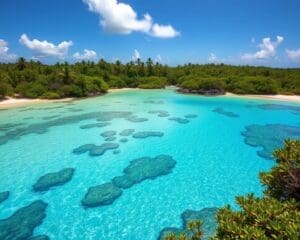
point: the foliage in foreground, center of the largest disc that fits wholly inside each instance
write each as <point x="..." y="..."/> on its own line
<point x="274" y="216"/>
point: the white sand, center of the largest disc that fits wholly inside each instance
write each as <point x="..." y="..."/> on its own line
<point x="289" y="98"/>
<point x="10" y="102"/>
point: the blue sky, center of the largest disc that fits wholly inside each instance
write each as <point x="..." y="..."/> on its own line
<point x="256" y="32"/>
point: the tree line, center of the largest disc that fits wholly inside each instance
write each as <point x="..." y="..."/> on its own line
<point x="34" y="79"/>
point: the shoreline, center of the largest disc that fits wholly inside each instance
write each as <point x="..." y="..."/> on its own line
<point x="274" y="97"/>
<point x="10" y="102"/>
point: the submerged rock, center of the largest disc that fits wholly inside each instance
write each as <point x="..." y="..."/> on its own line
<point x="53" y="179"/>
<point x="206" y="215"/>
<point x="108" y="134"/>
<point x="95" y="125"/>
<point x="223" y="112"/>
<point x="126" y="132"/>
<point x="179" y="120"/>
<point x="269" y="137"/>
<point x="104" y="194"/>
<point x="147" y="134"/>
<point x="84" y="148"/>
<point x="21" y="224"/>
<point x="4" y="196"/>
<point x="145" y="168"/>
<point x="100" y="150"/>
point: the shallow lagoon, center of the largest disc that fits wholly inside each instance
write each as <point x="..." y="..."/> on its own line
<point x="213" y="161"/>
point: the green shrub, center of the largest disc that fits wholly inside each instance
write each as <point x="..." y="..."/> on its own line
<point x="51" y="95"/>
<point x="152" y="82"/>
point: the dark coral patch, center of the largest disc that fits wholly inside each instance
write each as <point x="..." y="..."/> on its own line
<point x="100" y="150"/>
<point x="9" y="126"/>
<point x="40" y="237"/>
<point x="110" y="139"/>
<point x="108" y="134"/>
<point x="160" y="113"/>
<point x="21" y="224"/>
<point x="126" y="132"/>
<point x="100" y="195"/>
<point x="49" y="180"/>
<point x="166" y="232"/>
<point x="145" y="168"/>
<point x="269" y="137"/>
<point x="147" y="134"/>
<point x="50" y="117"/>
<point x="293" y="109"/>
<point x="136" y="119"/>
<point x="123" y="140"/>
<point x="226" y="113"/>
<point x="41" y="128"/>
<point x="190" y="115"/>
<point x="116" y="151"/>
<point x="179" y="120"/>
<point x="84" y="148"/>
<point x="206" y="215"/>
<point x="4" y="196"/>
<point x="154" y="102"/>
<point x="95" y="125"/>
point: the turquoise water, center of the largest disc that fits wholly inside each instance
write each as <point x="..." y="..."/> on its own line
<point x="213" y="163"/>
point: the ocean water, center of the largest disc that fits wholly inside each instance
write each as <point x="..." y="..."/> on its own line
<point x="213" y="162"/>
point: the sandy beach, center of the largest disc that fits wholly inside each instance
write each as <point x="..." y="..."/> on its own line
<point x="278" y="97"/>
<point x="10" y="102"/>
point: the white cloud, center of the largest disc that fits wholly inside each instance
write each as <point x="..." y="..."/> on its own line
<point x="163" y="31"/>
<point x="267" y="49"/>
<point x="87" y="55"/>
<point x="212" y="57"/>
<point x="118" y="17"/>
<point x="45" y="48"/>
<point x="158" y="59"/>
<point x="5" y="56"/>
<point x="136" y="55"/>
<point x="293" y="55"/>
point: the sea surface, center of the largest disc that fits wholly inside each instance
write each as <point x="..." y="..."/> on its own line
<point x="214" y="159"/>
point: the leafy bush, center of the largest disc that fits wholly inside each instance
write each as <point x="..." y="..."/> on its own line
<point x="274" y="216"/>
<point x="51" y="95"/>
<point x="152" y="82"/>
<point x="283" y="181"/>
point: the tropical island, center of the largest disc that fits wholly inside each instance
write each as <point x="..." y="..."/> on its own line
<point x="33" y="79"/>
<point x="149" y="120"/>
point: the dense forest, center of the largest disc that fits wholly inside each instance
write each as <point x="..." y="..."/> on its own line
<point x="32" y="79"/>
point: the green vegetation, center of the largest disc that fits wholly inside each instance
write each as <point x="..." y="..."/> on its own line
<point x="36" y="80"/>
<point x="276" y="215"/>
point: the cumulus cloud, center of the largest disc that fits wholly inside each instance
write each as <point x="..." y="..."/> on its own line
<point x="87" y="55"/>
<point x="5" y="56"/>
<point x="45" y="48"/>
<point x="293" y="55"/>
<point x="136" y="55"/>
<point x="118" y="17"/>
<point x="163" y="31"/>
<point x="267" y="49"/>
<point x="212" y="57"/>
